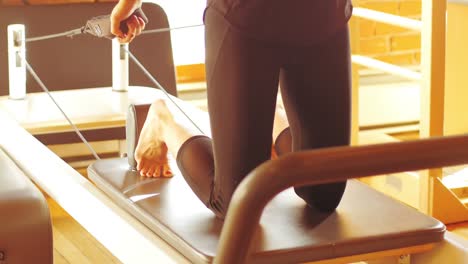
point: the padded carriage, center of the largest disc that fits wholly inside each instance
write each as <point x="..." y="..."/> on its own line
<point x="25" y="224"/>
<point x="366" y="221"/>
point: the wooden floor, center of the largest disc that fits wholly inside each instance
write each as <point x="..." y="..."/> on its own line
<point x="72" y="243"/>
<point x="460" y="229"/>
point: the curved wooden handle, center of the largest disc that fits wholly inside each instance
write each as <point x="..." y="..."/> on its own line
<point x="325" y="166"/>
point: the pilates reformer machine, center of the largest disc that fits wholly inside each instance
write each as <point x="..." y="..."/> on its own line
<point x="266" y="222"/>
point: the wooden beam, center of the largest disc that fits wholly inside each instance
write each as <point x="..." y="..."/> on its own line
<point x="432" y="86"/>
<point x="191" y="73"/>
<point x="126" y="238"/>
<point x="354" y="43"/>
<point x="378" y="255"/>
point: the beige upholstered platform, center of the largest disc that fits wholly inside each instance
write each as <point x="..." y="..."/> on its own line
<point x="25" y="225"/>
<point x="289" y="232"/>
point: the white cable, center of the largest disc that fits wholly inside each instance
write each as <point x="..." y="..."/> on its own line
<point x="159" y="30"/>
<point x="81" y="30"/>
<point x="158" y="85"/>
<point x="38" y="80"/>
<point x="69" y="33"/>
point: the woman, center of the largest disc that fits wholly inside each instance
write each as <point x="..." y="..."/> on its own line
<point x="251" y="46"/>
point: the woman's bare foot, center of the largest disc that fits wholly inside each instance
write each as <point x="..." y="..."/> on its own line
<point x="151" y="151"/>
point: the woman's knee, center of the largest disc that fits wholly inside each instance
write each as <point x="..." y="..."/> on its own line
<point x="323" y="197"/>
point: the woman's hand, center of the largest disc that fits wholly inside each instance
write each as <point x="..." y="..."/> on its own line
<point x="123" y="11"/>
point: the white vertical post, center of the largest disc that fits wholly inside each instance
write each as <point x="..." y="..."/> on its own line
<point x="16" y="65"/>
<point x="119" y="66"/>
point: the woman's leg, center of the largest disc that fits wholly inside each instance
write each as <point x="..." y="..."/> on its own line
<point x="242" y="81"/>
<point x="316" y="90"/>
<point x="162" y="133"/>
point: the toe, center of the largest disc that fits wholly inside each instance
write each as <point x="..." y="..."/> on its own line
<point x="150" y="172"/>
<point x="166" y="171"/>
<point x="142" y="168"/>
<point x="157" y="171"/>
<point x="140" y="165"/>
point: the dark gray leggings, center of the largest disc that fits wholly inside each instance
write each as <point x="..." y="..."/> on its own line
<point x="242" y="79"/>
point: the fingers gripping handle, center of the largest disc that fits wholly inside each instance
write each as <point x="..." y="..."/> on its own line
<point x="138" y="13"/>
<point x="100" y="26"/>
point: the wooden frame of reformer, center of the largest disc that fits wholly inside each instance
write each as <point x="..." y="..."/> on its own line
<point x="434" y="198"/>
<point x="145" y="243"/>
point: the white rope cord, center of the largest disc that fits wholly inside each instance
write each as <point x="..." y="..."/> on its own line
<point x="78" y="31"/>
<point x="158" y="85"/>
<point x="77" y="131"/>
<point x="69" y="33"/>
<point x="160" y="30"/>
